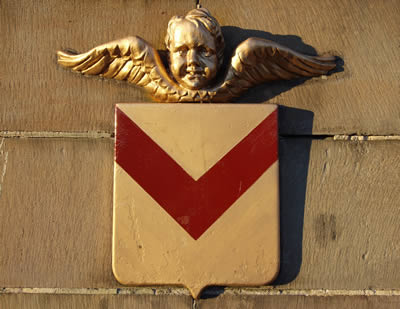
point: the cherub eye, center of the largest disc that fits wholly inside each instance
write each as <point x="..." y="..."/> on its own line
<point x="205" y="52"/>
<point x="181" y="52"/>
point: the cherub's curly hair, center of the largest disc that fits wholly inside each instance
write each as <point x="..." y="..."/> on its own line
<point x="200" y="17"/>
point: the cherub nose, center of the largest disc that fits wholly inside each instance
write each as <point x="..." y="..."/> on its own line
<point x="192" y="57"/>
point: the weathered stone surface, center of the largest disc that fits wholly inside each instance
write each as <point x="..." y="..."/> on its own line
<point x="339" y="222"/>
<point x="300" y="302"/>
<point x="52" y="301"/>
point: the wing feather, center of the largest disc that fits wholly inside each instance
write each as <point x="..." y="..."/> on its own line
<point x="138" y="77"/>
<point x="256" y="61"/>
<point x="134" y="72"/>
<point x="97" y="67"/>
<point x="70" y="60"/>
<point x="125" y="70"/>
<point x="84" y="65"/>
<point x="292" y="67"/>
<point x="114" y="67"/>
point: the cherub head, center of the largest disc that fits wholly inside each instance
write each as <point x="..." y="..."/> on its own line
<point x="196" y="48"/>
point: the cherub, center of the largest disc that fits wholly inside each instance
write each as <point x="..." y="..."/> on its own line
<point x="196" y="47"/>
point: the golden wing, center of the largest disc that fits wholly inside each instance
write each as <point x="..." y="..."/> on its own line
<point x="131" y="59"/>
<point x="257" y="61"/>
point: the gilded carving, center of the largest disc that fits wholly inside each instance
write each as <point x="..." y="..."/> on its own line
<point x="196" y="47"/>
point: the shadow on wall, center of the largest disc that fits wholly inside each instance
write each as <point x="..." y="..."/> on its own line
<point x="294" y="157"/>
<point x="234" y="36"/>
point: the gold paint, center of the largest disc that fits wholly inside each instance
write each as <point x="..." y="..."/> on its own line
<point x="196" y="48"/>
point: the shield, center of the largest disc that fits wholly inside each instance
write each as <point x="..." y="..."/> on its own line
<point x="196" y="195"/>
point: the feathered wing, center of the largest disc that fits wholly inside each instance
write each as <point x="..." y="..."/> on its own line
<point x="256" y="61"/>
<point x="131" y="59"/>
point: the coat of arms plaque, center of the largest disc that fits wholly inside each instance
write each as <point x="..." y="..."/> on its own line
<point x="196" y="186"/>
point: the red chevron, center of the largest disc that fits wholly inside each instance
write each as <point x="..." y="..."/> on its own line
<point x="195" y="205"/>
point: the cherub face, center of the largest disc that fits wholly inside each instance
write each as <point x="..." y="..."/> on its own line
<point x="193" y="58"/>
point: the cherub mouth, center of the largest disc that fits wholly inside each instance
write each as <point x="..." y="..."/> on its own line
<point x="194" y="74"/>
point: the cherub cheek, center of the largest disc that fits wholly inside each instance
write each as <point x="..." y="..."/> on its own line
<point x="210" y="69"/>
<point x="177" y="66"/>
<point x="209" y="62"/>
